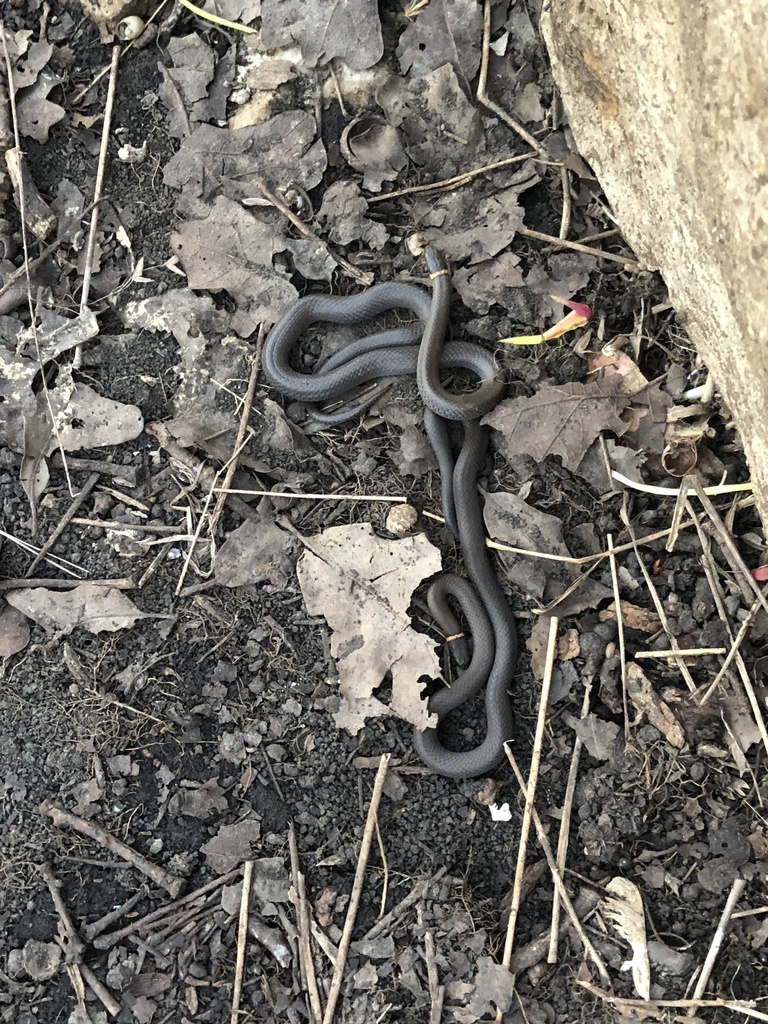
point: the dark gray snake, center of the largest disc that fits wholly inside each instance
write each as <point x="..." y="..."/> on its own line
<point x="423" y="351"/>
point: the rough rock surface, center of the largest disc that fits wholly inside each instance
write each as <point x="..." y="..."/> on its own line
<point x="667" y="102"/>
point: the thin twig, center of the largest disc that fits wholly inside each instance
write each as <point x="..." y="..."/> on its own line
<point x="299" y="496"/>
<point x="417" y="893"/>
<point x="125" y="583"/>
<point x="565" y="828"/>
<point x="565" y="217"/>
<point x="242" y="938"/>
<point x="564" y="243"/>
<point x="156" y="916"/>
<point x="359" y="275"/>
<point x="652" y="1007"/>
<point x="482" y="90"/>
<point x="458" y="179"/>
<point x="660" y="610"/>
<point x="307" y="964"/>
<point x="165" y="879"/>
<point x="80" y="497"/>
<point x="357" y="889"/>
<point x="98" y="188"/>
<point x="530" y="790"/>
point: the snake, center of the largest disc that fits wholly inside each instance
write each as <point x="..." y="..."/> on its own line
<point x="421" y="350"/>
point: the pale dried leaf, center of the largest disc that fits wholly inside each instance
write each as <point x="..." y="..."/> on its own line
<point x="362" y="585"/>
<point x="94" y="608"/>
<point x="625" y="909"/>
<point x="647" y="702"/>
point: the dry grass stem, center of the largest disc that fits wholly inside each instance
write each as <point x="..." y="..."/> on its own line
<point x="565" y="829"/>
<point x="303" y="930"/>
<point x="673" y="492"/>
<point x="620" y="628"/>
<point x="681" y="503"/>
<point x="485" y="99"/>
<point x="718" y="938"/>
<point x="241" y="431"/>
<point x="357" y="889"/>
<point x="385" y="869"/>
<point x="733" y="650"/>
<point x="660" y="610"/>
<point x="728" y="546"/>
<point x="530" y="791"/>
<point x="557" y="878"/>
<point x="62" y="564"/>
<point x="242" y="936"/>
<point x="681" y="652"/>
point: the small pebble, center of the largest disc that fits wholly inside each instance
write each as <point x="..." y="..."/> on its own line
<point x="401" y="519"/>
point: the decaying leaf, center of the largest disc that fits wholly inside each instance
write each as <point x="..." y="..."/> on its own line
<point x="14" y="631"/>
<point x="362" y="585"/>
<point x="647" y="702"/>
<point x="625" y="909"/>
<point x="97" y="609"/>
<point x="256" y="551"/>
<point x="325" y="29"/>
<point x="562" y="420"/>
<point x="597" y="735"/>
<point x="231" y="249"/>
<point x="443" y="33"/>
<point x="512" y="521"/>
<point x="633" y="617"/>
<point x="232" y="845"/>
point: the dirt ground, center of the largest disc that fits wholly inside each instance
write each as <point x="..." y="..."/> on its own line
<point x="172" y="701"/>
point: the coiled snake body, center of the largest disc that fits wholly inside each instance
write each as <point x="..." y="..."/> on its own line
<point x="422" y="351"/>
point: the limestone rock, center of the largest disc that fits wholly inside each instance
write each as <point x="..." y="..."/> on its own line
<point x="668" y="104"/>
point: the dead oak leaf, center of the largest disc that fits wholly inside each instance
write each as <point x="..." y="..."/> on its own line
<point x="444" y="33"/>
<point x="362" y="584"/>
<point x="325" y="29"/>
<point x="232" y="845"/>
<point x="559" y="420"/>
<point x="212" y="159"/>
<point x="231" y="249"/>
<point x="97" y="609"/>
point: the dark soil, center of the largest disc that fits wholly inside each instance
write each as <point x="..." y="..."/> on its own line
<point x="227" y="695"/>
